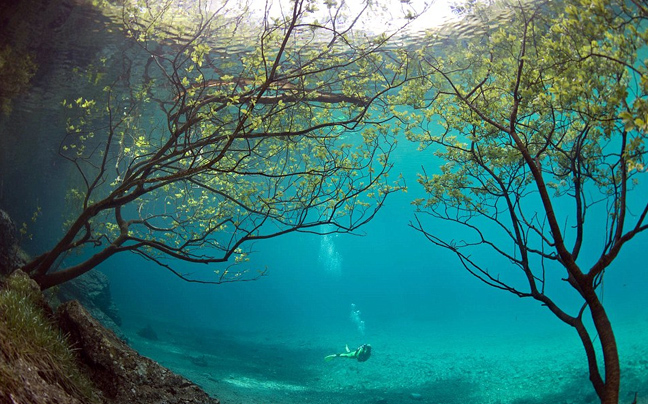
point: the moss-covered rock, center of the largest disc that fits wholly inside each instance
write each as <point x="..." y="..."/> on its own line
<point x="71" y="358"/>
<point x="37" y="364"/>
<point x="121" y="373"/>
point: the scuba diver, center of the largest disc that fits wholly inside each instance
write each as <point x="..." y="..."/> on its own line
<point x="361" y="354"/>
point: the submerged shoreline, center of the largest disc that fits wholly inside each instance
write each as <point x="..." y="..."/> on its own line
<point x="68" y="357"/>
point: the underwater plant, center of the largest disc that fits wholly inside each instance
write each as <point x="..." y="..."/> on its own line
<point x="224" y="129"/>
<point x="539" y="119"/>
<point x="31" y="342"/>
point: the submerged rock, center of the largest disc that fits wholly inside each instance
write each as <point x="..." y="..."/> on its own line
<point x="119" y="372"/>
<point x="199" y="361"/>
<point x="11" y="256"/>
<point x="148" y="332"/>
<point x="92" y="289"/>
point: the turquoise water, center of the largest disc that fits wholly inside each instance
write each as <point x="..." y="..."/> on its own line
<point x="438" y="334"/>
<point x="435" y="330"/>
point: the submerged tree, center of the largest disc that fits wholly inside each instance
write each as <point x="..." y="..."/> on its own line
<point x="228" y="131"/>
<point x="540" y="122"/>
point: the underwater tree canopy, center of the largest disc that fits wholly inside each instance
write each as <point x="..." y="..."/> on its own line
<point x="191" y="154"/>
<point x="542" y="135"/>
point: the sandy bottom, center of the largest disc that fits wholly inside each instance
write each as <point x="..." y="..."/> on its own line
<point x="410" y="363"/>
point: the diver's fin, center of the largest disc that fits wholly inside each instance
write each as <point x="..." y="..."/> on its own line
<point x="347" y="348"/>
<point x="330" y="357"/>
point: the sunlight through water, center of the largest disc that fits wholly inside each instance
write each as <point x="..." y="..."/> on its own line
<point x="378" y="17"/>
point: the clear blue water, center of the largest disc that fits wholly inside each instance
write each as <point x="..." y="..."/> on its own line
<point x="435" y="330"/>
<point x="438" y="334"/>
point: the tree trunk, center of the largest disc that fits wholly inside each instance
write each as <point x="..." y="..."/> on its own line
<point x="608" y="344"/>
<point x="50" y="279"/>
